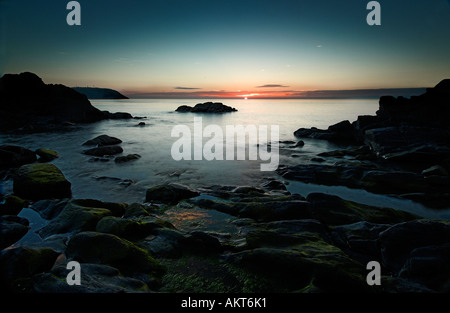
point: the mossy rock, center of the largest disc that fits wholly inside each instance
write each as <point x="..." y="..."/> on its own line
<point x="307" y="259"/>
<point x="41" y="181"/>
<point x="12" y="205"/>
<point x="24" y="262"/>
<point x="117" y="209"/>
<point x="332" y="210"/>
<point x="46" y="155"/>
<point x="127" y="158"/>
<point x="99" y="248"/>
<point x="131" y="229"/>
<point x="95" y="278"/>
<point x="135" y="210"/>
<point x="74" y="218"/>
<point x="12" y="229"/>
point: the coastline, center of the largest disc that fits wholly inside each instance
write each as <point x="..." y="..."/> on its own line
<point x="234" y="238"/>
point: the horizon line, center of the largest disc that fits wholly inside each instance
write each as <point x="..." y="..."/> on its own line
<point x="291" y="94"/>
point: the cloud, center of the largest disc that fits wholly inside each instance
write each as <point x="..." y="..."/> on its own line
<point x="186" y="88"/>
<point x="271" y="86"/>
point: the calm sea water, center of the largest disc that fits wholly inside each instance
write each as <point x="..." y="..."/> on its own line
<point x="127" y="182"/>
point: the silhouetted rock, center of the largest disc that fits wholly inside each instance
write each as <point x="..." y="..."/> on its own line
<point x="100" y="93"/>
<point x="27" y="103"/>
<point x="103" y="140"/>
<point x="207" y="107"/>
<point x="117" y="115"/>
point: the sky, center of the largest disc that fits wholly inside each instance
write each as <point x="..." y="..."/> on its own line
<point x="228" y="48"/>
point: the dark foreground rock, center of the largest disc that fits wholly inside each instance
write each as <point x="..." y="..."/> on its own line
<point x="14" y="156"/>
<point x="41" y="181"/>
<point x="207" y="107"/>
<point x="224" y="239"/>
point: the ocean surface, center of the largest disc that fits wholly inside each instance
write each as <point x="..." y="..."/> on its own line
<point x="127" y="182"/>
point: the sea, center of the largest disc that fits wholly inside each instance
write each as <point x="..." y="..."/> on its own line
<point x="106" y="180"/>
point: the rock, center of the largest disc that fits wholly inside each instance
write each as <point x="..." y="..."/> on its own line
<point x="431" y="200"/>
<point x="131" y="229"/>
<point x="23" y="262"/>
<point x="117" y="115"/>
<point x="136" y="210"/>
<point x="170" y="193"/>
<point x="199" y="242"/>
<point x="116" y="209"/>
<point x="12" y="205"/>
<point x="275" y="185"/>
<point x="99" y="93"/>
<point x="15" y="156"/>
<point x="184" y="108"/>
<point x="319" y="160"/>
<point x="141" y="124"/>
<point x="397" y="242"/>
<point x="127" y="158"/>
<point x="47" y="155"/>
<point x="274" y="210"/>
<point x="12" y="228"/>
<point x="93" y="247"/>
<point x="74" y="218"/>
<point x="207" y="107"/>
<point x="359" y="240"/>
<point x="423" y="155"/>
<point x="104" y="150"/>
<point x="309" y="258"/>
<point x="49" y="208"/>
<point x="429" y="266"/>
<point x="103" y="140"/>
<point x="26" y="100"/>
<point x="95" y="278"/>
<point x="340" y="132"/>
<point x="41" y="181"/>
<point x="248" y="190"/>
<point x="435" y="170"/>
<point x="333" y="210"/>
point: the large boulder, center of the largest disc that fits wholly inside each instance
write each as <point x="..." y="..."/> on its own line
<point x="41" y="181"/>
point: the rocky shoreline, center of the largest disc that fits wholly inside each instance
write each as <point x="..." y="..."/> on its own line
<point x="244" y="239"/>
<point x="264" y="239"/>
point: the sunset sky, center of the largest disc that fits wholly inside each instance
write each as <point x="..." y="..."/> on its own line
<point x="231" y="48"/>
